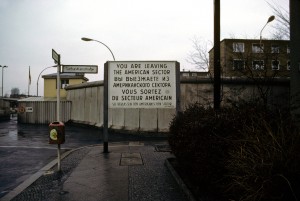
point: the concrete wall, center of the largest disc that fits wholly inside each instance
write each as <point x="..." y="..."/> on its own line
<point x="233" y="90"/>
<point x="87" y="102"/>
<point x="87" y="108"/>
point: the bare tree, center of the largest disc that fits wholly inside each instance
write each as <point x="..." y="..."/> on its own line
<point x="282" y="27"/>
<point x="199" y="56"/>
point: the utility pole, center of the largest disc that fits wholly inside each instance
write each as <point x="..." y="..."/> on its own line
<point x="295" y="59"/>
<point x="217" y="65"/>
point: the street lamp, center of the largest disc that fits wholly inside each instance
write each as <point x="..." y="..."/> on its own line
<point x="88" y="39"/>
<point x="37" y="82"/>
<point x="270" y="19"/>
<point x="2" y="76"/>
<point x="105" y="102"/>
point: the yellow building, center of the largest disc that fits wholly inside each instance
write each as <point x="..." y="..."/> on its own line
<point x="67" y="79"/>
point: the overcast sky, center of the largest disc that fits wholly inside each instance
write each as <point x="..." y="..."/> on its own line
<point x="133" y="30"/>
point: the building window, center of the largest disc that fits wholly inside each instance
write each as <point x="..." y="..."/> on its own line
<point x="288" y="49"/>
<point x="288" y="65"/>
<point x="258" y="65"/>
<point x="275" y="65"/>
<point x="194" y="74"/>
<point x="64" y="84"/>
<point x="185" y="74"/>
<point x="257" y="48"/>
<point x="238" y="64"/>
<point x="238" y="47"/>
<point x="274" y="49"/>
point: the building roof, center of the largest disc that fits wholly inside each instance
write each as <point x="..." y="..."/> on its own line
<point x="85" y="85"/>
<point x="250" y="40"/>
<point x="66" y="76"/>
<point x="41" y="99"/>
<point x="243" y="39"/>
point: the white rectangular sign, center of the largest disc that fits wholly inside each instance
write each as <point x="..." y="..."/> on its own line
<point x="29" y="109"/>
<point x="80" y="69"/>
<point x="142" y="84"/>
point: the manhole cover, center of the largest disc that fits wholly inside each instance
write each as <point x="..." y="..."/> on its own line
<point x="131" y="159"/>
<point x="136" y="144"/>
<point x="163" y="148"/>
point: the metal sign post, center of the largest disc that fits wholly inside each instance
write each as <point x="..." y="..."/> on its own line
<point x="56" y="58"/>
<point x="105" y="110"/>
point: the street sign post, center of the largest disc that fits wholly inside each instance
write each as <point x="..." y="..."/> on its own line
<point x="55" y="57"/>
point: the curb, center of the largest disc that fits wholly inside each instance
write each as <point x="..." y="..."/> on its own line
<point x="20" y="188"/>
<point x="179" y="181"/>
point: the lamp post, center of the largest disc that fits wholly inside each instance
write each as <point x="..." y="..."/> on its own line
<point x="37" y="82"/>
<point x="270" y="19"/>
<point x="105" y="101"/>
<point x="2" y="76"/>
<point x="89" y="39"/>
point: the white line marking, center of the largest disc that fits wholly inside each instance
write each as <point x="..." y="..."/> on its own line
<point x="29" y="147"/>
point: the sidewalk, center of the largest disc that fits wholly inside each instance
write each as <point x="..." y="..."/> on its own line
<point x="129" y="172"/>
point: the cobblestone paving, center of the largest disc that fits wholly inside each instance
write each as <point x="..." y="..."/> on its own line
<point x="49" y="186"/>
<point x="152" y="181"/>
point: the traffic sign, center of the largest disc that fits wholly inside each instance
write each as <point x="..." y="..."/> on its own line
<point x="80" y="69"/>
<point x="55" y="56"/>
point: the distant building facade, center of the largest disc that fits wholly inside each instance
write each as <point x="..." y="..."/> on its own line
<point x="250" y="57"/>
<point x="67" y="79"/>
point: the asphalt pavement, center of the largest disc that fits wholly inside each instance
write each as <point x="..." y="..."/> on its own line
<point x="25" y="148"/>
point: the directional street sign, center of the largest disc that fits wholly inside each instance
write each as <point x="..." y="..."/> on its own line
<point x="80" y="69"/>
<point x="55" y="56"/>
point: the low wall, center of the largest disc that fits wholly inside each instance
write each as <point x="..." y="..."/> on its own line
<point x="87" y="108"/>
<point x="195" y="89"/>
<point x="87" y="102"/>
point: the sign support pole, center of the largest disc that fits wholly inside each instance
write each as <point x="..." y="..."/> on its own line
<point x="105" y="110"/>
<point x="56" y="57"/>
<point x="178" y="108"/>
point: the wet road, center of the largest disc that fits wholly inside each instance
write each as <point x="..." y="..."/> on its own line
<point x="24" y="149"/>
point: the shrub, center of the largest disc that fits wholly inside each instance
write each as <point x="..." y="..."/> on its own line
<point x="197" y="140"/>
<point x="245" y="152"/>
<point x="264" y="158"/>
